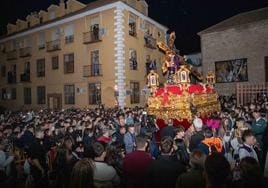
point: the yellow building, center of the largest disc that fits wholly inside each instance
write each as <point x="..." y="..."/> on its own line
<point x="77" y="55"/>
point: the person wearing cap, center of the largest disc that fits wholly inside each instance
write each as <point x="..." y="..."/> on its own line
<point x="198" y="135"/>
<point x="258" y="126"/>
<point x="130" y="139"/>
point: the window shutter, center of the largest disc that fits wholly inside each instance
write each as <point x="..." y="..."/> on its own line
<point x="69" y="30"/>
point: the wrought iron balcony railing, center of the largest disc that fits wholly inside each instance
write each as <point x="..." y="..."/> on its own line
<point x="11" y="77"/>
<point x="25" y="52"/>
<point x="54" y="45"/>
<point x="25" y="77"/>
<point x="150" y="42"/>
<point x="92" y="70"/>
<point x="91" y="37"/>
<point x="11" y="55"/>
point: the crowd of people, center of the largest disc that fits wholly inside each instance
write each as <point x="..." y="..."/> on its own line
<point x="103" y="148"/>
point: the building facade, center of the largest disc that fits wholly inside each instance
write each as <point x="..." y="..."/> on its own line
<point x="77" y="55"/>
<point x="237" y="50"/>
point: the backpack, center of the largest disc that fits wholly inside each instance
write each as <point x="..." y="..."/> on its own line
<point x="237" y="157"/>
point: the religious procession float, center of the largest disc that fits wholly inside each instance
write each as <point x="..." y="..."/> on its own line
<point x="179" y="98"/>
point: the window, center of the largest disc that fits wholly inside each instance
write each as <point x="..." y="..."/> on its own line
<point x="13" y="94"/>
<point x="69" y="34"/>
<point x="3" y="71"/>
<point x="95" y="63"/>
<point x="69" y="94"/>
<point x="40" y="67"/>
<point x="133" y="65"/>
<point x="55" y="62"/>
<point x="41" y="95"/>
<point x="27" y="67"/>
<point x="41" y="19"/>
<point x="27" y="95"/>
<point x="52" y="15"/>
<point x="16" y="44"/>
<point x="135" y="92"/>
<point x="94" y="92"/>
<point x="56" y="34"/>
<point x="132" y="25"/>
<point x="29" y="24"/>
<point x="41" y="40"/>
<point x="69" y="63"/>
<point x="4" y="94"/>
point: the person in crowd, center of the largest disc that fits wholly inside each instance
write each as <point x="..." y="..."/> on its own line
<point x="236" y="137"/>
<point x="5" y="158"/>
<point x="105" y="136"/>
<point x="105" y="175"/>
<point x="258" y="126"/>
<point x="88" y="137"/>
<point x="168" y="130"/>
<point x="197" y="162"/>
<point x="68" y="143"/>
<point x="188" y="134"/>
<point x="163" y="172"/>
<point x="247" y="149"/>
<point x="27" y="137"/>
<point x="217" y="171"/>
<point x="181" y="149"/>
<point x="62" y="168"/>
<point x="82" y="174"/>
<point x="118" y="136"/>
<point x="136" y="163"/>
<point x="38" y="163"/>
<point x="129" y="119"/>
<point x="198" y="135"/>
<point x="211" y="144"/>
<point x="114" y="157"/>
<point x="130" y="139"/>
<point x="251" y="174"/>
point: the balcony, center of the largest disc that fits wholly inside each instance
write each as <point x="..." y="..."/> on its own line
<point x="150" y="42"/>
<point x="11" y="55"/>
<point x="53" y="45"/>
<point x="91" y="37"/>
<point x="69" y="39"/>
<point x="25" y="77"/>
<point x="25" y="52"/>
<point x="11" y="77"/>
<point x="41" y="46"/>
<point x="92" y="70"/>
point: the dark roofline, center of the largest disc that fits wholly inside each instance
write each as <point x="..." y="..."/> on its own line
<point x="92" y="5"/>
<point x="219" y="26"/>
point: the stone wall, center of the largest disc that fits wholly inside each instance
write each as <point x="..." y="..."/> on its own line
<point x="244" y="41"/>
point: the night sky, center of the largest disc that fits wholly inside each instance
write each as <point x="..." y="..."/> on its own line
<point x="186" y="17"/>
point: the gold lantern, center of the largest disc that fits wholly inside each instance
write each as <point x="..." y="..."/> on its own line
<point x="153" y="80"/>
<point x="210" y="79"/>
